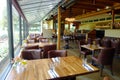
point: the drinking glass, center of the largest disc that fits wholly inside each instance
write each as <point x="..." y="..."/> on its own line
<point x="51" y="65"/>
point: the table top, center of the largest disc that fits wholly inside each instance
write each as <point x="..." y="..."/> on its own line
<point x="38" y="69"/>
<point x="41" y="44"/>
<point x="92" y="47"/>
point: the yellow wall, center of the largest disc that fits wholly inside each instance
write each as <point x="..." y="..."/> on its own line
<point x="87" y="26"/>
<point x="112" y="33"/>
<point x="50" y="24"/>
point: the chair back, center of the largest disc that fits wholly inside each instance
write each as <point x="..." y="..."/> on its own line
<point x="81" y="42"/>
<point x="32" y="47"/>
<point x="57" y="53"/>
<point x="43" y="40"/>
<point x="47" y="48"/>
<point x="31" y="54"/>
<point x="106" y="43"/>
<point x="105" y="56"/>
<point x="98" y="41"/>
<point x="89" y="41"/>
<point x="116" y="45"/>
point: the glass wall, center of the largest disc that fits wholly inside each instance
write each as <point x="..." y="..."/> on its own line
<point x="16" y="28"/>
<point x="4" y="56"/>
<point x="5" y="51"/>
<point x="35" y="28"/>
<point x="22" y="28"/>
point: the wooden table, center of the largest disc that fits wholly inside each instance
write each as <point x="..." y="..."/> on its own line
<point x="38" y="69"/>
<point x="41" y="44"/>
<point x="92" y="48"/>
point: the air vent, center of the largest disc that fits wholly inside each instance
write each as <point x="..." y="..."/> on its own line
<point x="102" y="19"/>
<point x="117" y="17"/>
<point x="109" y="18"/>
<point x="95" y="20"/>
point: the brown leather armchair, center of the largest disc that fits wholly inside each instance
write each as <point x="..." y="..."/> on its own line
<point x="31" y="54"/>
<point x="106" y="78"/>
<point x="57" y="53"/>
<point x="105" y="57"/>
<point x="116" y="45"/>
<point x="83" y="51"/>
<point x="47" y="48"/>
<point x="43" y="40"/>
<point x="32" y="47"/>
<point x="106" y="43"/>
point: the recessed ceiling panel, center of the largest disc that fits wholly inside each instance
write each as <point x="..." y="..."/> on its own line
<point x="36" y="9"/>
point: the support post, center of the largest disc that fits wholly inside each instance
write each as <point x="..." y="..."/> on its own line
<point x="113" y="17"/>
<point x="59" y="28"/>
<point x="10" y="28"/>
<point x="20" y="30"/>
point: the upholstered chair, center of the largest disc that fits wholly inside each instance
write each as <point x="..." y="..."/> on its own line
<point x="116" y="45"/>
<point x="89" y="41"/>
<point x="106" y="78"/>
<point x="83" y="51"/>
<point x="57" y="53"/>
<point x="43" y="40"/>
<point x="105" y="57"/>
<point x="32" y="47"/>
<point x="98" y="41"/>
<point x="31" y="54"/>
<point x="47" y="48"/>
<point x="106" y="43"/>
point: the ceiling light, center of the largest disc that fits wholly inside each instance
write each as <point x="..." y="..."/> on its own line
<point x="107" y="7"/>
<point x="70" y="19"/>
<point x="98" y="9"/>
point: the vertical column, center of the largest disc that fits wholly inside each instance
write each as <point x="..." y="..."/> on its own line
<point x="23" y="29"/>
<point x="113" y="17"/>
<point x="27" y="29"/>
<point x="20" y="30"/>
<point x="69" y="26"/>
<point x="59" y="28"/>
<point x="10" y="28"/>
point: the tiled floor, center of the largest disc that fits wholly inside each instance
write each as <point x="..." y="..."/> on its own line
<point x="95" y="76"/>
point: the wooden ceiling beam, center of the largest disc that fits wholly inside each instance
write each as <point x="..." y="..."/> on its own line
<point x="118" y="1"/>
<point x="97" y="2"/>
<point x="90" y="5"/>
<point x="97" y="5"/>
<point x="86" y="8"/>
<point x="92" y="14"/>
<point x="96" y="13"/>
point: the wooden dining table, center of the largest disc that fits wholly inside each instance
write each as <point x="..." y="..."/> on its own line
<point x="41" y="44"/>
<point x="38" y="69"/>
<point x="92" y="48"/>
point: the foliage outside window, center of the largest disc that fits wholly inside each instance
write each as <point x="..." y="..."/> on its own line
<point x="34" y="28"/>
<point x="16" y="28"/>
<point x="4" y="56"/>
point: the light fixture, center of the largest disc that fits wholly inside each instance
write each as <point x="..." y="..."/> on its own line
<point x="98" y="9"/>
<point x="70" y="19"/>
<point x="107" y="7"/>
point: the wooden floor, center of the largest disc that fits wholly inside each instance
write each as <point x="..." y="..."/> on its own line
<point x="95" y="76"/>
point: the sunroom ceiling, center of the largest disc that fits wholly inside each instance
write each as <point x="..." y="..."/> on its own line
<point x="35" y="10"/>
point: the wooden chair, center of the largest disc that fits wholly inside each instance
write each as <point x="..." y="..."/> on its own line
<point x="57" y="53"/>
<point x="47" y="48"/>
<point x="105" y="57"/>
